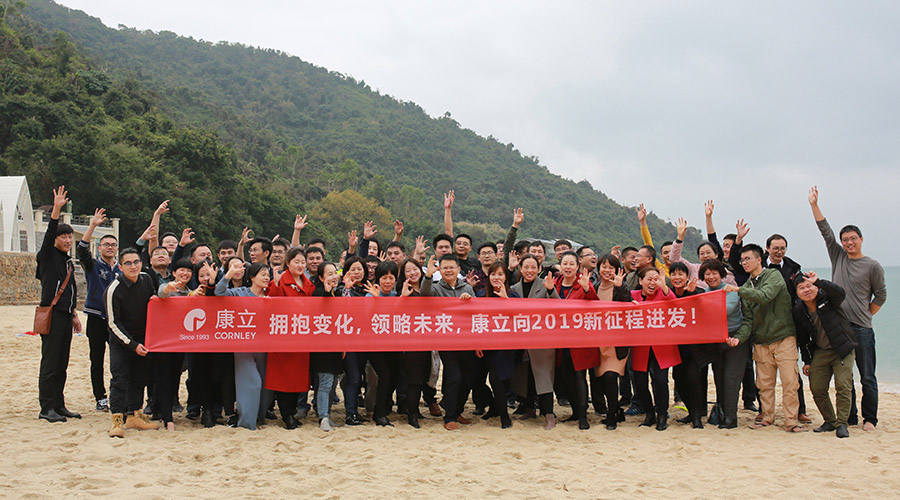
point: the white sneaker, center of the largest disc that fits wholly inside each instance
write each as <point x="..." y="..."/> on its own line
<point x="333" y="423"/>
<point x="325" y="424"/>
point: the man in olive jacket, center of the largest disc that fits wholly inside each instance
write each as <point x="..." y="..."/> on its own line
<point x="766" y="307"/>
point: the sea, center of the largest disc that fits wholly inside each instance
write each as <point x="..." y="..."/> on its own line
<point x="887" y="340"/>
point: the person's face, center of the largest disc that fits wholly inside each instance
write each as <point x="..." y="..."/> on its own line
<point x="777" y="248"/>
<point x="330" y="276"/>
<point x="225" y="254"/>
<point x="497" y="279"/>
<point x="257" y="254"/>
<point x="183" y="274"/>
<point x="852" y="242"/>
<point x="588" y="260"/>
<point x="499" y="248"/>
<point x="170" y="243"/>
<point x="108" y="248"/>
<point x="443" y="247"/>
<point x="200" y="254"/>
<point x="487" y="256"/>
<point x="712" y="278"/>
<point x="568" y="266"/>
<point x="644" y="258"/>
<point x="313" y="261"/>
<point x="386" y="283"/>
<point x="463" y="247"/>
<point x="666" y="250"/>
<point x="650" y="282"/>
<point x="373" y="249"/>
<point x="560" y="249"/>
<point x="607" y="271"/>
<point x="261" y="279"/>
<point x="529" y="270"/>
<point x="356" y="272"/>
<point x="726" y="247"/>
<point x="412" y="272"/>
<point x="449" y="271"/>
<point x="679" y="279"/>
<point x="297" y="265"/>
<point x="750" y="262"/>
<point x="395" y="255"/>
<point x="160" y="258"/>
<point x="537" y="251"/>
<point x="706" y="253"/>
<point x="131" y="266"/>
<point x="629" y="261"/>
<point x="806" y="291"/>
<point x="371" y="269"/>
<point x="203" y="275"/>
<point x="342" y="259"/>
<point x="63" y="242"/>
<point x="277" y="257"/>
<point x="239" y="271"/>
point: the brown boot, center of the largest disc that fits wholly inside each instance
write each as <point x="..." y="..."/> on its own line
<point x="117" y="430"/>
<point x="140" y="421"/>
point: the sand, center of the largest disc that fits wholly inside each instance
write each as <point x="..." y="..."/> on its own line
<point x="43" y="460"/>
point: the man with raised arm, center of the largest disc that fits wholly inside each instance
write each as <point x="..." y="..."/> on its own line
<point x="98" y="273"/>
<point x="862" y="278"/>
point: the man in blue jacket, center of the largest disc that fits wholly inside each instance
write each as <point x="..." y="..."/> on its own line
<point x="98" y="273"/>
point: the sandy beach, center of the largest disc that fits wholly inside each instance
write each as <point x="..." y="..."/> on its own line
<point x="43" y="460"/>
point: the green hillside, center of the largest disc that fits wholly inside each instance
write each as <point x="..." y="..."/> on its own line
<point x="295" y="132"/>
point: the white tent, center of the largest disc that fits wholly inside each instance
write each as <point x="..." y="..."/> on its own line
<point x="16" y="216"/>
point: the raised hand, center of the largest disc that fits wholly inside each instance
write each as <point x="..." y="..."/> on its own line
<point x="300" y="222"/>
<point x="501" y="292"/>
<point x="518" y="217"/>
<point x="372" y="289"/>
<point x="352" y="240"/>
<point x="691" y="285"/>
<point x="398" y="229"/>
<point x="245" y="236"/>
<point x="421" y="247"/>
<point x="406" y="290"/>
<point x="513" y="260"/>
<point x="617" y="251"/>
<point x="233" y="268"/>
<point x="641" y="214"/>
<point x="211" y="271"/>
<point x="471" y="279"/>
<point x="432" y="267"/>
<point x="59" y="197"/>
<point x="681" y="227"/>
<point x="742" y="228"/>
<point x="348" y="282"/>
<point x="812" y="277"/>
<point x="149" y="232"/>
<point x="620" y="277"/>
<point x="814" y="195"/>
<point x="708" y="208"/>
<point x="382" y="256"/>
<point x="449" y="198"/>
<point x="369" y="230"/>
<point x="99" y="217"/>
<point x="584" y="281"/>
<point x="162" y="208"/>
<point x="549" y="282"/>
<point x="187" y="237"/>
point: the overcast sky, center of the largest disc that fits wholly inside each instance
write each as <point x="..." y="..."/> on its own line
<point x="666" y="103"/>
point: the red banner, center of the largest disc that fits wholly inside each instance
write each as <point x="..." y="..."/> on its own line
<point x="316" y="324"/>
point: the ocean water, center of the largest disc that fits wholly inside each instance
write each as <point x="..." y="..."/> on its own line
<point x="887" y="340"/>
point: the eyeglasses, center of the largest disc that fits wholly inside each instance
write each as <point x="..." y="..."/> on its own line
<point x="747" y="259"/>
<point x="778" y="249"/>
<point x="850" y="239"/>
<point x="109" y="245"/>
<point x="130" y="263"/>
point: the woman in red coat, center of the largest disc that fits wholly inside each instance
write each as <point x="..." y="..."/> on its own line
<point x="570" y="284"/>
<point x="287" y="373"/>
<point x="654" y="360"/>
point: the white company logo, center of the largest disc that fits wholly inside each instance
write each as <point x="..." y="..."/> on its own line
<point x="194" y="320"/>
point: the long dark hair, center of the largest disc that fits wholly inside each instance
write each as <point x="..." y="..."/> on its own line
<point x="489" y="290"/>
<point x="401" y="275"/>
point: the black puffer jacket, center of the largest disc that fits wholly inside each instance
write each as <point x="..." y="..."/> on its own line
<point x="840" y="334"/>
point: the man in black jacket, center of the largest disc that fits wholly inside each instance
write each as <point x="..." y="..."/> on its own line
<point x="827" y="344"/>
<point x="53" y="265"/>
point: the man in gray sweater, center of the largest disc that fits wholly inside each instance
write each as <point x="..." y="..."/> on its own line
<point x="863" y="279"/>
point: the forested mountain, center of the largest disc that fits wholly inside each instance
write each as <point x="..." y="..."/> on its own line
<point x="240" y="135"/>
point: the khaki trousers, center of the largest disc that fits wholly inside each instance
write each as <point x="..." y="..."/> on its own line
<point x="826" y="363"/>
<point x="778" y="358"/>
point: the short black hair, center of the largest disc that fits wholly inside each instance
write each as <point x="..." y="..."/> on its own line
<point x="281" y="242"/>
<point x="730" y="236"/>
<point x="349" y="261"/>
<point x="385" y="268"/>
<point x="226" y="245"/>
<point x="395" y="244"/>
<point x="168" y="233"/>
<point x="537" y="243"/>
<point x="521" y="246"/>
<point x="256" y="268"/>
<point x="529" y="256"/>
<point x="627" y="250"/>
<point x="666" y="244"/>
<point x="679" y="266"/>
<point x="560" y="243"/>
<point x="850" y="228"/>
<point x="315" y="241"/>
<point x="774" y="237"/>
<point x="490" y="245"/>
<point x="581" y="250"/>
<point x="567" y="253"/>
<point x="643" y="272"/>
<point x="293" y="253"/>
<point x="265" y="244"/>
<point x="310" y="250"/>
<point x="441" y="237"/>
<point x="128" y="250"/>
<point x="752" y="247"/>
<point x="64" y="228"/>
<point x="182" y="263"/>
<point x="713" y="265"/>
<point x="199" y="245"/>
<point x="463" y="235"/>
<point x="651" y="251"/>
<point x="611" y="260"/>
<point x="448" y="256"/>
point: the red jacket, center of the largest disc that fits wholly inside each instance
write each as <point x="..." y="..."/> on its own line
<point x="666" y="355"/>
<point x="582" y="357"/>
<point x="289" y="371"/>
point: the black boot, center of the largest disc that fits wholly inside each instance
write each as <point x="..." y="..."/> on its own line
<point x="291" y="422"/>
<point x="505" y="421"/>
<point x="413" y="419"/>
<point x="208" y="419"/>
<point x="697" y="422"/>
<point x="649" y="420"/>
<point x="662" y="421"/>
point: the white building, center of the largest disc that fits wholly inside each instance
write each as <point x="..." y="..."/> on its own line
<point x="16" y="216"/>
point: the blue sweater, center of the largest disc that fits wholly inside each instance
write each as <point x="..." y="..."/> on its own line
<point x="98" y="275"/>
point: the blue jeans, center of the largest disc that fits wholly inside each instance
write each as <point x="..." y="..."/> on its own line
<point x="323" y="394"/>
<point x="865" y="362"/>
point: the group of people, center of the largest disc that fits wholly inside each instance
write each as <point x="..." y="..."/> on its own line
<point x="776" y="315"/>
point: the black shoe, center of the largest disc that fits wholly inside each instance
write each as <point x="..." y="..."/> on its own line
<point x="842" y="431"/>
<point x="685" y="419"/>
<point x="662" y="422"/>
<point x="583" y="423"/>
<point x="51" y="416"/>
<point x="302" y="412"/>
<point x="505" y="421"/>
<point x="728" y="423"/>
<point x="751" y="406"/>
<point x="826" y="427"/>
<point x="102" y="404"/>
<point x="649" y="420"/>
<point x="353" y="419"/>
<point x="697" y="423"/>
<point x="270" y="415"/>
<point x="383" y="422"/>
<point x="511" y="403"/>
<point x="572" y="418"/>
<point x="563" y="402"/>
<point x="66" y="413"/>
<point x="193" y="415"/>
<point x="291" y="423"/>
<point x="177" y="407"/>
<point x="413" y="420"/>
<point x="520" y="410"/>
<point x="232" y="420"/>
<point x="489" y="414"/>
<point x="208" y="420"/>
<point x="611" y="426"/>
<point x="479" y="410"/>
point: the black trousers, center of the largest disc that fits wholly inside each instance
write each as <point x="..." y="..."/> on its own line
<point x="597" y="391"/>
<point x="55" y="347"/>
<point x="167" y="374"/>
<point x="98" y="337"/>
<point x="660" y="379"/>
<point x="609" y="383"/>
<point x="129" y="377"/>
<point x="574" y="384"/>
<point x="417" y="367"/>
<point x="498" y="388"/>
<point x="728" y="372"/>
<point x="387" y="366"/>
<point x="481" y="393"/>
<point x="212" y="381"/>
<point x="691" y="382"/>
<point x="456" y="382"/>
<point x="750" y="394"/>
